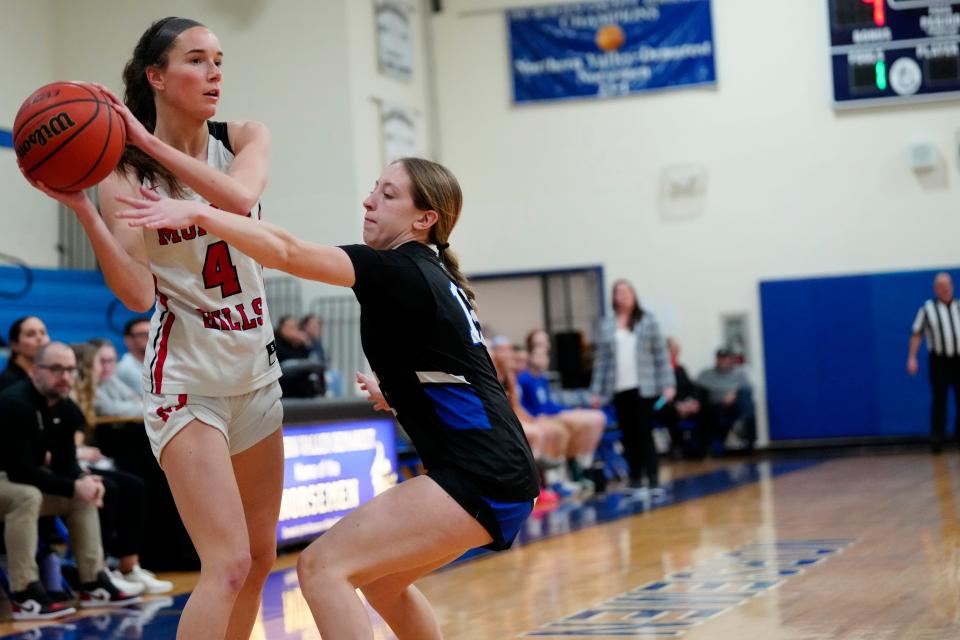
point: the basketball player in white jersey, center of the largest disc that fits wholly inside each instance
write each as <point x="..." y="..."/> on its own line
<point x="212" y="399"/>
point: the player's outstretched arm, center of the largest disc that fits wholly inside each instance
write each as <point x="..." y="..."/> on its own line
<point x="237" y="190"/>
<point x="272" y="246"/>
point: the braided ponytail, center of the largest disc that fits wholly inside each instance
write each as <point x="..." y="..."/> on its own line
<point x="452" y="263"/>
<point x="151" y="51"/>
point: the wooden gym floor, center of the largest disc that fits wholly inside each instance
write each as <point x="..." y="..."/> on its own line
<point x="850" y="547"/>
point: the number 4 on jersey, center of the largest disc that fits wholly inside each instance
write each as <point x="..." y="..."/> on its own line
<point x="473" y="320"/>
<point x="219" y="270"/>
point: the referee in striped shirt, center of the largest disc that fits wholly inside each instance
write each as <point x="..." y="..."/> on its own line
<point x="939" y="321"/>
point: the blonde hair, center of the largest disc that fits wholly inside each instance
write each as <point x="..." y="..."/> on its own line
<point x="85" y="389"/>
<point x="435" y="188"/>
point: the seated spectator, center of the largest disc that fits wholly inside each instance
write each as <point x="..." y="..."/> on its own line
<point x="729" y="398"/>
<point x="27" y="334"/>
<point x="521" y="358"/>
<point x="548" y="438"/>
<point x="585" y="426"/>
<point x="113" y="397"/>
<point x="311" y="327"/>
<point x="20" y="510"/>
<point x="84" y="391"/>
<point x="39" y="421"/>
<point x="124" y="510"/>
<point x="136" y="334"/>
<point x="501" y="354"/>
<point x="539" y="338"/>
<point x="302" y="377"/>
<point x="685" y="407"/>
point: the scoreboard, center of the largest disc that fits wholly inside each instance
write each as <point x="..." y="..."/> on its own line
<point x="894" y="51"/>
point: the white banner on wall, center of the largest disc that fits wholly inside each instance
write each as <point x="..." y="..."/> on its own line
<point x="398" y="131"/>
<point x="395" y="38"/>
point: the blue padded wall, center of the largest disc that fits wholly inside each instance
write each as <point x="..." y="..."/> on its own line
<point x="835" y="354"/>
<point x="73" y="304"/>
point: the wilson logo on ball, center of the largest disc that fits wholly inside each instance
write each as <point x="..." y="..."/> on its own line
<point x="68" y="136"/>
<point x="57" y="125"/>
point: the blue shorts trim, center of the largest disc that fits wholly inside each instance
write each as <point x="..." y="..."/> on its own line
<point x="502" y="520"/>
<point x="510" y="516"/>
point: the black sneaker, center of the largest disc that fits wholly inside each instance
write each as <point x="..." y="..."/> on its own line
<point x="33" y="603"/>
<point x="102" y="593"/>
<point x="61" y="596"/>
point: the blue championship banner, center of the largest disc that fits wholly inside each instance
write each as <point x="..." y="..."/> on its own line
<point x="331" y="469"/>
<point x="612" y="48"/>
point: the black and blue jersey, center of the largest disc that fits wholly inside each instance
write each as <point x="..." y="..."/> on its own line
<point x="423" y="340"/>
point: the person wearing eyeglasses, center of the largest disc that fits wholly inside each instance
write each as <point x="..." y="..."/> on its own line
<point x="39" y="420"/>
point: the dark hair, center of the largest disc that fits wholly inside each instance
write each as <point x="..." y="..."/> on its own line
<point x="281" y="320"/>
<point x="533" y="332"/>
<point x="131" y="323"/>
<point x="151" y="51"/>
<point x="636" y="314"/>
<point x="17" y="326"/>
<point x="307" y="318"/>
<point x="434" y="188"/>
<point x="98" y="343"/>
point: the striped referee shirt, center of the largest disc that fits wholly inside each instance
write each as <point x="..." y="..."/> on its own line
<point x="940" y="323"/>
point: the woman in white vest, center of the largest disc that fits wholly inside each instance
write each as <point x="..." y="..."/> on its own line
<point x="213" y="412"/>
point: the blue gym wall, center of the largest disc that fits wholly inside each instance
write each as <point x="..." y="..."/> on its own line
<point x="75" y="305"/>
<point x="835" y="354"/>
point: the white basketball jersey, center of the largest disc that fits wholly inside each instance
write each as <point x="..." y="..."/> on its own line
<point x="210" y="334"/>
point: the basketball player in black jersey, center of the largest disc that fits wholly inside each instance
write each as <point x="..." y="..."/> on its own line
<point x="422" y="338"/>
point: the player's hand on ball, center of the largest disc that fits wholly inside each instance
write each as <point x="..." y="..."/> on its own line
<point x="153" y="211"/>
<point x="372" y="387"/>
<point x="137" y="134"/>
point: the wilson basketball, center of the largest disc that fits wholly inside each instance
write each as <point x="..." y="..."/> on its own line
<point x="67" y="136"/>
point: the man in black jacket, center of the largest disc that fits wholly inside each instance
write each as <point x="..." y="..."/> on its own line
<point x="686" y="407"/>
<point x="39" y="420"/>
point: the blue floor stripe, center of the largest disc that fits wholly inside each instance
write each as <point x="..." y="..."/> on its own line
<point x="157" y="619"/>
<point x="6" y="138"/>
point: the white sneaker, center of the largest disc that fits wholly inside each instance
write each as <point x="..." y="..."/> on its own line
<point x="148" y="581"/>
<point x="123" y="584"/>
